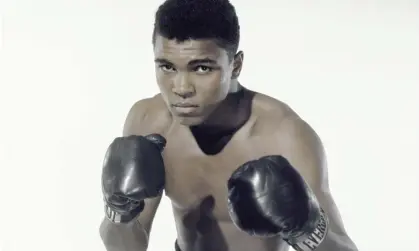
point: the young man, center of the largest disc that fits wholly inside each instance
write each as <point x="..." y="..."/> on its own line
<point x="243" y="171"/>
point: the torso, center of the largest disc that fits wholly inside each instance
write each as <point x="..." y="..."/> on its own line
<point x="196" y="183"/>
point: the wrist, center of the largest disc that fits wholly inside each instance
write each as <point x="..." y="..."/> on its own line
<point x="313" y="236"/>
<point x="119" y="217"/>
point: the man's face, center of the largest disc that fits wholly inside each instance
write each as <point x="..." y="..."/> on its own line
<point x="194" y="76"/>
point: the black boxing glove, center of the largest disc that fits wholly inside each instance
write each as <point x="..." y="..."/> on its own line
<point x="268" y="197"/>
<point x="133" y="170"/>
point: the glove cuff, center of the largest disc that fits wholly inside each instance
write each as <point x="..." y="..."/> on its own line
<point x="122" y="218"/>
<point x="310" y="240"/>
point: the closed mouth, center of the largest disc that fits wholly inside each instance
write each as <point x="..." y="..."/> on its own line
<point x="184" y="105"/>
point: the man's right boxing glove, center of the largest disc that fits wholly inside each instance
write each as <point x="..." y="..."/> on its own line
<point x="133" y="170"/>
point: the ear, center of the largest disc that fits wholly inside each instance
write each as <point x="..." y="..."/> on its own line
<point x="237" y="64"/>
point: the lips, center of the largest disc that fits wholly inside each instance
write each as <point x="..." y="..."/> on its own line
<point x="185" y="105"/>
<point x="185" y="109"/>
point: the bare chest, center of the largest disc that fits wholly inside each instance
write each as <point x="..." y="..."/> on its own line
<point x="198" y="182"/>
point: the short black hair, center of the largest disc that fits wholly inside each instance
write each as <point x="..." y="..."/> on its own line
<point x="199" y="19"/>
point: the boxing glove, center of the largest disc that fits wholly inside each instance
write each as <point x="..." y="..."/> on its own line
<point x="133" y="170"/>
<point x="268" y="197"/>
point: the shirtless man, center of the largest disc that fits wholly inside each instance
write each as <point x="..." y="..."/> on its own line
<point x="243" y="171"/>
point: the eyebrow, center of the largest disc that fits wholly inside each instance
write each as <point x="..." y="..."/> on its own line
<point x="192" y="62"/>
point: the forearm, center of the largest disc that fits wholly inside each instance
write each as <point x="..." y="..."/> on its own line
<point x="337" y="237"/>
<point x="337" y="242"/>
<point x="323" y="238"/>
<point x="123" y="237"/>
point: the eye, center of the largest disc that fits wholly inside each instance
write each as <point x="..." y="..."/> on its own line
<point x="167" y="68"/>
<point x="203" y="69"/>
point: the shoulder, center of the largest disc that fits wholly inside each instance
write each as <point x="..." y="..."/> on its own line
<point x="286" y="133"/>
<point x="271" y="114"/>
<point x="146" y="116"/>
<point x="283" y="125"/>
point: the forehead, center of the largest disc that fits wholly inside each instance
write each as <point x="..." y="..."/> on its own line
<point x="182" y="52"/>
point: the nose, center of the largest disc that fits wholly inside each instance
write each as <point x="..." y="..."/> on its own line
<point x="182" y="87"/>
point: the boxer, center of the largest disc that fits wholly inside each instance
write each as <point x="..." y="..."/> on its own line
<point x="243" y="171"/>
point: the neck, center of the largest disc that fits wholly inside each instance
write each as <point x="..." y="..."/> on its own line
<point x="232" y="113"/>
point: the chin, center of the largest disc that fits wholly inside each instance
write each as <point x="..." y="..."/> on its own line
<point x="190" y="121"/>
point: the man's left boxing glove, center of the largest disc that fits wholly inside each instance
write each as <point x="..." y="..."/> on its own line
<point x="133" y="170"/>
<point x="268" y="197"/>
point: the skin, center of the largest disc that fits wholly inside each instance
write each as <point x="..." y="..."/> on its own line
<point x="200" y="73"/>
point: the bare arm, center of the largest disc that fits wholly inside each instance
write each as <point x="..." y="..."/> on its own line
<point x="303" y="148"/>
<point x="133" y="236"/>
